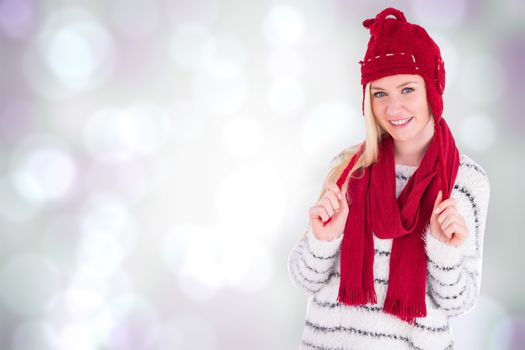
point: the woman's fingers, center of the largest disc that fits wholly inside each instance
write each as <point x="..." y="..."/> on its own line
<point x="319" y="211"/>
<point x="444" y="205"/>
<point x="332" y="186"/>
<point x="327" y="206"/>
<point x="326" y="203"/>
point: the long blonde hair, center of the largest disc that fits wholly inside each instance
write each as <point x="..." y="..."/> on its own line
<point x="374" y="134"/>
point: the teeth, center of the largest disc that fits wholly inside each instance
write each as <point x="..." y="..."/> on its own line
<point x="400" y="122"/>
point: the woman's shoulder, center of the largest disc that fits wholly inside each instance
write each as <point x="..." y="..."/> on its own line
<point x="471" y="174"/>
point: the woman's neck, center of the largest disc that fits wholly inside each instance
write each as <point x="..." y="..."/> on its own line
<point x="411" y="152"/>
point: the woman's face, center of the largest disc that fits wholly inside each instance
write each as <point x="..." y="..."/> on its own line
<point x="398" y="98"/>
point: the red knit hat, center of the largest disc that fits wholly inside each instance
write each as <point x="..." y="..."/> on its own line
<point x="399" y="47"/>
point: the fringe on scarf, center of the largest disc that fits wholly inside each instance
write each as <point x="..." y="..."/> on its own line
<point x="356" y="296"/>
<point x="404" y="311"/>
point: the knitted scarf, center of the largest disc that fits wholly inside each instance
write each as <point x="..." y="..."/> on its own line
<point x="373" y="207"/>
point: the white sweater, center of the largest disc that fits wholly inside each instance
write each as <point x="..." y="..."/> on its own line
<point x="453" y="280"/>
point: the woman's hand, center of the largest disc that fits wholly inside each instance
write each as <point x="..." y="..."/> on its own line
<point x="446" y="223"/>
<point x="332" y="206"/>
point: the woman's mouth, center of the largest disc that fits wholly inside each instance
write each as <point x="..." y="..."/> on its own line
<point x="400" y="123"/>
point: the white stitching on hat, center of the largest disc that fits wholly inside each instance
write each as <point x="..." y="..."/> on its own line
<point x="390" y="54"/>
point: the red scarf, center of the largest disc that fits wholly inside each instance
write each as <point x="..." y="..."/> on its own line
<point x="373" y="207"/>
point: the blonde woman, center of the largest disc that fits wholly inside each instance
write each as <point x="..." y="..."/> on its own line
<point x="394" y="243"/>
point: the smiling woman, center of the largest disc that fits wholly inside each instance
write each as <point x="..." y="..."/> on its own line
<point x="394" y="243"/>
<point x="401" y="108"/>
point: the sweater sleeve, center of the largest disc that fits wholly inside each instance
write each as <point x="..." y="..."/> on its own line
<point x="454" y="273"/>
<point x="312" y="261"/>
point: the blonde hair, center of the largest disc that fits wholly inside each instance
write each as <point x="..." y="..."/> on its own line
<point x="374" y="134"/>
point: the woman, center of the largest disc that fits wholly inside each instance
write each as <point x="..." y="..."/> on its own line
<point x="394" y="245"/>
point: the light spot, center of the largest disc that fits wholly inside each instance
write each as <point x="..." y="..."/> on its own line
<point x="478" y="132"/>
<point x="33" y="335"/>
<point x="136" y="18"/>
<point x="286" y="96"/>
<point x="242" y="136"/>
<point x="44" y="174"/>
<point x="29" y="281"/>
<point x="329" y="128"/>
<point x="447" y="13"/>
<point x="284" y="25"/>
<point x="483" y="79"/>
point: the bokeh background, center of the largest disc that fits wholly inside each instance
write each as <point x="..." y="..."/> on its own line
<point x="158" y="159"/>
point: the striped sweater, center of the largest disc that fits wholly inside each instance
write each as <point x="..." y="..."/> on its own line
<point x="453" y="280"/>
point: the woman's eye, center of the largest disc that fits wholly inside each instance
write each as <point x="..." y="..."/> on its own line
<point x="380" y="92"/>
<point x="408" y="88"/>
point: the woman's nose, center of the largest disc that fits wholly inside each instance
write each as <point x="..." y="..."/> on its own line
<point x="394" y="108"/>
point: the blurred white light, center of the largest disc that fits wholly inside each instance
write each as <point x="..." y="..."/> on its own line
<point x="169" y="336"/>
<point x="82" y="303"/>
<point x="173" y="246"/>
<point x="136" y="18"/>
<point x="247" y="265"/>
<point x="189" y="45"/>
<point x="286" y="96"/>
<point x="208" y="12"/>
<point x="127" y="321"/>
<point x="483" y="79"/>
<point x="242" y="136"/>
<point x="203" y="258"/>
<point x="69" y="56"/>
<point x="206" y="260"/>
<point x="44" y="174"/>
<point x="501" y="335"/>
<point x="77" y="48"/>
<point x="218" y="97"/>
<point x="188" y="123"/>
<point x="114" y="135"/>
<point x="252" y="194"/>
<point x="478" y="132"/>
<point x="134" y="179"/>
<point x="13" y="206"/>
<point x="32" y="335"/>
<point x="285" y="62"/>
<point x="196" y="332"/>
<point x="284" y="25"/>
<point x="76" y="335"/>
<point x="16" y="17"/>
<point x="100" y="252"/>
<point x="446" y="13"/>
<point x="469" y="326"/>
<point x="108" y="234"/>
<point x="29" y="282"/>
<point x="104" y="212"/>
<point x="331" y="126"/>
<point x="74" y="52"/>
<point x="224" y="57"/>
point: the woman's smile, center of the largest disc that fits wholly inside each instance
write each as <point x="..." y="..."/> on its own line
<point x="400" y="123"/>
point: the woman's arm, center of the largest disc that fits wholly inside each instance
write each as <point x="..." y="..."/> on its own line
<point x="312" y="261"/>
<point x="454" y="273"/>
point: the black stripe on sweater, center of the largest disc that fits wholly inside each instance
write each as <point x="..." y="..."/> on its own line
<point x="298" y="281"/>
<point x="324" y="329"/>
<point x="468" y="301"/>
<point x="372" y="308"/>
<point x="311" y="268"/>
<point x="475" y="209"/>
<point x="304" y="278"/>
<point x="317" y="256"/>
